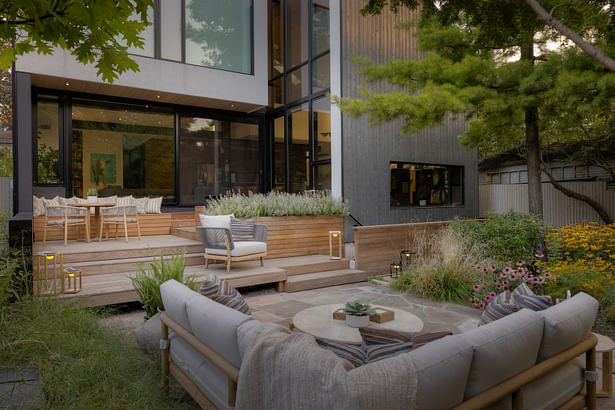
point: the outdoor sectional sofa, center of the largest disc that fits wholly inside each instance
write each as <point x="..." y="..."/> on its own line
<point x="525" y="360"/>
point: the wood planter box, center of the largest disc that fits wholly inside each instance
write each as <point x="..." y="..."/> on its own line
<point x="296" y="235"/>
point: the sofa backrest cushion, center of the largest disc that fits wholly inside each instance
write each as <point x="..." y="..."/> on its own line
<point x="567" y="324"/>
<point x="442" y="368"/>
<point x="503" y="349"/>
<point x="174" y="297"/>
<point x="216" y="326"/>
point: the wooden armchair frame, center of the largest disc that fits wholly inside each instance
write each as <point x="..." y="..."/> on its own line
<point x="67" y="216"/>
<point x="168" y="366"/>
<point x="119" y="215"/>
<point x="261" y="235"/>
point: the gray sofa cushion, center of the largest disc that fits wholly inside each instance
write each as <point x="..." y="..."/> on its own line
<point x="174" y="298"/>
<point x="503" y="349"/>
<point x="567" y="323"/>
<point x="210" y="380"/>
<point x="442" y="368"/>
<point x="216" y="326"/>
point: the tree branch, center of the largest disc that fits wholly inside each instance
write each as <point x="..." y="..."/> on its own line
<point x="589" y="49"/>
<point x="569" y="193"/>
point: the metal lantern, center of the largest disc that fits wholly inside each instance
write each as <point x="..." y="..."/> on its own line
<point x="405" y="257"/>
<point x="335" y="236"/>
<point x="71" y="275"/>
<point x="395" y="269"/>
<point x="48" y="279"/>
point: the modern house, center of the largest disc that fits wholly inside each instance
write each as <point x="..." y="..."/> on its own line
<point x="233" y="95"/>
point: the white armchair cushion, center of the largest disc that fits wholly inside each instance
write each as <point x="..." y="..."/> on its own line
<point x="241" y="249"/>
<point x="216" y="221"/>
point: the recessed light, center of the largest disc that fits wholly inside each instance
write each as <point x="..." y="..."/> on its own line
<point x="158" y="96"/>
<point x="146" y="106"/>
<point x="67" y="84"/>
<point x="232" y="105"/>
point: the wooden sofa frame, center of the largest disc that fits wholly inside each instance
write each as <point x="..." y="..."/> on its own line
<point x="586" y="398"/>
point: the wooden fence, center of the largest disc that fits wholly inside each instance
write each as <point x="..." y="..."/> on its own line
<point x="559" y="210"/>
<point x="376" y="246"/>
<point x="6" y="195"/>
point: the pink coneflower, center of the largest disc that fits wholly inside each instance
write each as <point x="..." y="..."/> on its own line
<point x="505" y="287"/>
<point x="539" y="255"/>
<point x="503" y="275"/>
<point x="540" y="270"/>
<point x="486" y="271"/>
<point x="481" y="305"/>
<point x="540" y="280"/>
<point x="513" y="277"/>
<point x="492" y="268"/>
<point x="520" y="263"/>
<point x="505" y="283"/>
<point x="495" y="282"/>
<point x="465" y="276"/>
<point x="487" y="298"/>
<point x="547" y="275"/>
<point x="507" y="270"/>
<point x="476" y="288"/>
<point x="497" y="287"/>
<point x="478" y="268"/>
<point x="492" y="294"/>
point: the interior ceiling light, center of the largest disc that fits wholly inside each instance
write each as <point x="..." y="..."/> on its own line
<point x="158" y="96"/>
<point x="232" y="105"/>
<point x="67" y="83"/>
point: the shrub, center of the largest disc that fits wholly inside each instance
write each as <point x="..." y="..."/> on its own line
<point x="15" y="275"/>
<point x="508" y="237"/>
<point x="276" y="204"/>
<point x="148" y="280"/>
<point x="448" y="282"/>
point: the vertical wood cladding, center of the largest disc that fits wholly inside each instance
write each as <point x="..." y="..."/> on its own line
<point x="368" y="151"/>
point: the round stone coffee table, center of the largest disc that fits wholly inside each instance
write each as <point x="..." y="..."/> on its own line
<point x="318" y="321"/>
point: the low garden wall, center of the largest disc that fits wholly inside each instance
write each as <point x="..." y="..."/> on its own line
<point x="377" y="246"/>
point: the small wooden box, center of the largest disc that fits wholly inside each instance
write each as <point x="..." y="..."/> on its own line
<point x="382" y="315"/>
<point x="339" y="314"/>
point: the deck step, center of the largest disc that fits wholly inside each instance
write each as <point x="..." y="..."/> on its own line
<point x="125" y="265"/>
<point x="322" y="264"/>
<point x="324" y="279"/>
<point x="186" y="232"/>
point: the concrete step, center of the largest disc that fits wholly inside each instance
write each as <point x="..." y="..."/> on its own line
<point x="126" y="265"/>
<point x="324" y="279"/>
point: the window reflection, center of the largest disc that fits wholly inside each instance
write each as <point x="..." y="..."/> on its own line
<point x="276" y="37"/>
<point x="48" y="140"/>
<point x="299" y="150"/>
<point x="426" y="185"/>
<point x="279" y="155"/>
<point x="320" y="26"/>
<point x="297" y="31"/>
<point x="321" y="112"/>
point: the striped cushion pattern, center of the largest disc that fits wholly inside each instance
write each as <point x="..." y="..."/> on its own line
<point x="378" y="352"/>
<point x="525" y="298"/>
<point x="523" y="289"/>
<point x="502" y="305"/>
<point x="422" y="339"/>
<point x="354" y="354"/>
<point x="373" y="336"/>
<point x="125" y="201"/>
<point x="242" y="231"/>
<point x="153" y="205"/>
<point x="223" y="292"/>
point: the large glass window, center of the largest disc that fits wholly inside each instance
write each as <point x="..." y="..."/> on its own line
<point x="320" y="26"/>
<point x="321" y="115"/>
<point x="299" y="150"/>
<point x="276" y="37"/>
<point x="279" y="155"/>
<point x="321" y="74"/>
<point x="426" y="185"/>
<point x="48" y="140"/>
<point x="219" y="34"/>
<point x="121" y="150"/>
<point x="298" y="84"/>
<point x="297" y="31"/>
<point x="216" y="157"/>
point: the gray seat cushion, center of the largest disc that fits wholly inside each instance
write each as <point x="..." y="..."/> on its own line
<point x="567" y="323"/>
<point x="241" y="249"/>
<point x="216" y="326"/>
<point x="174" y="297"/>
<point x="503" y="349"/>
<point x="442" y="368"/>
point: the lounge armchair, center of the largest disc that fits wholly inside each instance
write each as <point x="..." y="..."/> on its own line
<point x="62" y="216"/>
<point x="219" y="245"/>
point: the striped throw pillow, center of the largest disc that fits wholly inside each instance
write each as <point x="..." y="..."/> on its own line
<point x="242" y="231"/>
<point x="500" y="306"/>
<point x="354" y="354"/>
<point x="374" y="353"/>
<point x="223" y="292"/>
<point x="153" y="205"/>
<point x="125" y="201"/>
<point x="373" y="336"/>
<point x="141" y="204"/>
<point x="526" y="299"/>
<point x="210" y="286"/>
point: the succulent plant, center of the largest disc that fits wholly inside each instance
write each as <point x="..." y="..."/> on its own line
<point x="356" y="308"/>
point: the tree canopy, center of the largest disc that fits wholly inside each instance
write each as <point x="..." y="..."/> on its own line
<point x="95" y="31"/>
<point x="516" y="81"/>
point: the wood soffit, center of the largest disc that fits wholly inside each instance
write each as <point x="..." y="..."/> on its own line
<point x="58" y="83"/>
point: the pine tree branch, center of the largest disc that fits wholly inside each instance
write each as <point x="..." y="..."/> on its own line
<point x="589" y="49"/>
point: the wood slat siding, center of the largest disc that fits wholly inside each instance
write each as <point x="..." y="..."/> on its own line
<point x="6" y="195"/>
<point x="559" y="210"/>
<point x="368" y="151"/>
<point x="377" y="246"/>
<point x="151" y="224"/>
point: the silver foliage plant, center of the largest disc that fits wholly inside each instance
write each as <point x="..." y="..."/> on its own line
<point x="276" y="204"/>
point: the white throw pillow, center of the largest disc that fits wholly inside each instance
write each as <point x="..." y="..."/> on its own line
<point x="38" y="206"/>
<point x="60" y="200"/>
<point x="51" y="202"/>
<point x="125" y="201"/>
<point x="141" y="204"/>
<point x="216" y="221"/>
<point x="153" y="205"/>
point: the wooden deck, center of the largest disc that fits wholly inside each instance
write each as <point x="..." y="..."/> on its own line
<point x="107" y="267"/>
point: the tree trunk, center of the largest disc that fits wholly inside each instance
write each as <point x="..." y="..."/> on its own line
<point x="589" y="49"/>
<point x="532" y="147"/>
<point x="570" y="193"/>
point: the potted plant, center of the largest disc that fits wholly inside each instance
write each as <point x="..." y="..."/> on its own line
<point x="357" y="313"/>
<point x="92" y="195"/>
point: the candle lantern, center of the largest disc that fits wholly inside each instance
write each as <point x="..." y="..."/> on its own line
<point x="395" y="269"/>
<point x="71" y="276"/>
<point x="335" y="236"/>
<point x="48" y="278"/>
<point x="405" y="257"/>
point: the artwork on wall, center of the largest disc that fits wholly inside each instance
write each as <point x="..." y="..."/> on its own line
<point x="103" y="169"/>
